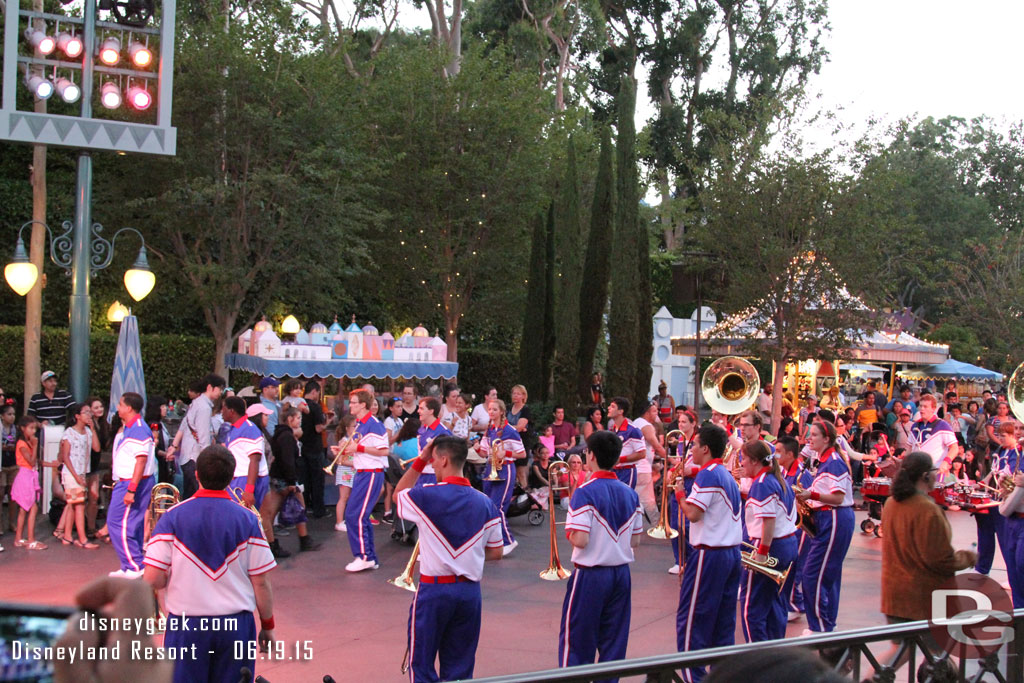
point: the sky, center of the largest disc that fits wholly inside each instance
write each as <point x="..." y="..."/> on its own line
<point x="896" y="58"/>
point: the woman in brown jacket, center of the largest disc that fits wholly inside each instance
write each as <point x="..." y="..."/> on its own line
<point x="917" y="551"/>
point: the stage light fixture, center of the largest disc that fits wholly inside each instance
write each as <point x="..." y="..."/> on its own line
<point x="110" y="95"/>
<point x="110" y="51"/>
<point x="139" y="98"/>
<point x="68" y="90"/>
<point x="140" y="55"/>
<point x="39" y="86"/>
<point x="70" y="45"/>
<point x="43" y="43"/>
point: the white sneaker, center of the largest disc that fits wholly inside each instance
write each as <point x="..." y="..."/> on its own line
<point x="793" y="616"/>
<point x="340" y="526"/>
<point x="359" y="564"/>
<point x="509" y="548"/>
<point x="675" y="569"/>
<point x="117" y="573"/>
<point x="808" y="632"/>
<point x="133" y="574"/>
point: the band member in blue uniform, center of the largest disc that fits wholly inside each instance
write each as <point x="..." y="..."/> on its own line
<point x="770" y="511"/>
<point x="933" y="435"/>
<point x="133" y="465"/>
<point x="603" y="525"/>
<point x="795" y="474"/>
<point x="1005" y="463"/>
<point x="430" y="428"/>
<point x="210" y="554"/>
<point x="369" y="451"/>
<point x="681" y="548"/>
<point x="633" y="447"/>
<point x="707" y="598"/>
<point x="831" y="499"/>
<point x="500" y="492"/>
<point x="245" y="442"/>
<point x="459" y="528"/>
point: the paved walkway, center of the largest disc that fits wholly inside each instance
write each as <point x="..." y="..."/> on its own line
<point x="356" y="624"/>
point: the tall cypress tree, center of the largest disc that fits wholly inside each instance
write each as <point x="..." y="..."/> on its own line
<point x="623" y="318"/>
<point x="568" y="261"/>
<point x="548" y="347"/>
<point x="593" y="283"/>
<point x="645" y="324"/>
<point x="531" y="347"/>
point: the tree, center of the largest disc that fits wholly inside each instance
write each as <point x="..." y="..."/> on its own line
<point x="720" y="74"/>
<point x="568" y="282"/>
<point x="596" y="267"/>
<point x="777" y="227"/>
<point x="268" y="174"/>
<point x="624" y="316"/>
<point x="536" y="347"/>
<point x="463" y="164"/>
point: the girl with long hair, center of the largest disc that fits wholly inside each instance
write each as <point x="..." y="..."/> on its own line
<point x="770" y="516"/>
<point x="831" y="499"/>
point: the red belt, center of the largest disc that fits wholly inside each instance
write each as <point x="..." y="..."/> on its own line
<point x="786" y="536"/>
<point x="824" y="508"/>
<point x="714" y="547"/>
<point x="1018" y="515"/>
<point x="625" y="467"/>
<point x="449" y="578"/>
<point x="376" y="470"/>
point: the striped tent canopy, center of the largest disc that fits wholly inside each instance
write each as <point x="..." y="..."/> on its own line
<point x="128" y="374"/>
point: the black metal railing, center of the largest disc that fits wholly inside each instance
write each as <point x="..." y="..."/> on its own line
<point x="846" y="651"/>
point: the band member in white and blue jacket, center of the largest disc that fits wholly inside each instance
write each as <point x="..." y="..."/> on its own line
<point x="633" y="446"/>
<point x="369" y="451"/>
<point x="430" y="428"/>
<point x="770" y="512"/>
<point x="831" y="499"/>
<point x="795" y="474"/>
<point x="500" y="492"/>
<point x="133" y="466"/>
<point x="461" y="528"/>
<point x="603" y="525"/>
<point x="707" y="598"/>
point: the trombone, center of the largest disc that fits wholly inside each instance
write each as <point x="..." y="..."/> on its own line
<point x="768" y="567"/>
<point x="668" y="481"/>
<point x="404" y="580"/>
<point x="329" y="470"/>
<point x="555" y="570"/>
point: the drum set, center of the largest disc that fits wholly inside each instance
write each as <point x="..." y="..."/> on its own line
<point x="963" y="497"/>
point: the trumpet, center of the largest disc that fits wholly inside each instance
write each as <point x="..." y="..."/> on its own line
<point x="404" y="580"/>
<point x="329" y="470"/>
<point x="497" y="454"/>
<point x="163" y="498"/>
<point x="668" y="481"/>
<point x="768" y="567"/>
<point x="804" y="514"/>
<point x="555" y="570"/>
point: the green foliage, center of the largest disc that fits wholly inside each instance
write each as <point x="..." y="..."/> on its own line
<point x="463" y="165"/>
<point x="170" y="361"/>
<point x="538" y="335"/>
<point x="624" y="316"/>
<point x="963" y="342"/>
<point x="480" y="368"/>
<point x="569" y="282"/>
<point x="596" y="268"/>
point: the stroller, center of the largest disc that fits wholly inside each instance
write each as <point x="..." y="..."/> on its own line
<point x="525" y="504"/>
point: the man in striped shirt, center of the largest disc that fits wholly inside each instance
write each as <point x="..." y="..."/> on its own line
<point x="50" y="406"/>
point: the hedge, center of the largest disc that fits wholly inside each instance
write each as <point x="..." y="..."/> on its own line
<point x="170" y="361"/>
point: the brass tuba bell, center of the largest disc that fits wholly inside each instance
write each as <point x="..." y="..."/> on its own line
<point x="730" y="385"/>
<point x="163" y="497"/>
<point x="1015" y="392"/>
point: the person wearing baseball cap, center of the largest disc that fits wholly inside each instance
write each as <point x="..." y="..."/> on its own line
<point x="269" y="390"/>
<point x="50" y="406"/>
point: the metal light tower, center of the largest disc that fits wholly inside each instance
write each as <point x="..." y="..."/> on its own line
<point x="90" y="50"/>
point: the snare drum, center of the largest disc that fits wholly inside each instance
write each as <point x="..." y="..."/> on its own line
<point x="979" y="497"/>
<point x="876" y="486"/>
